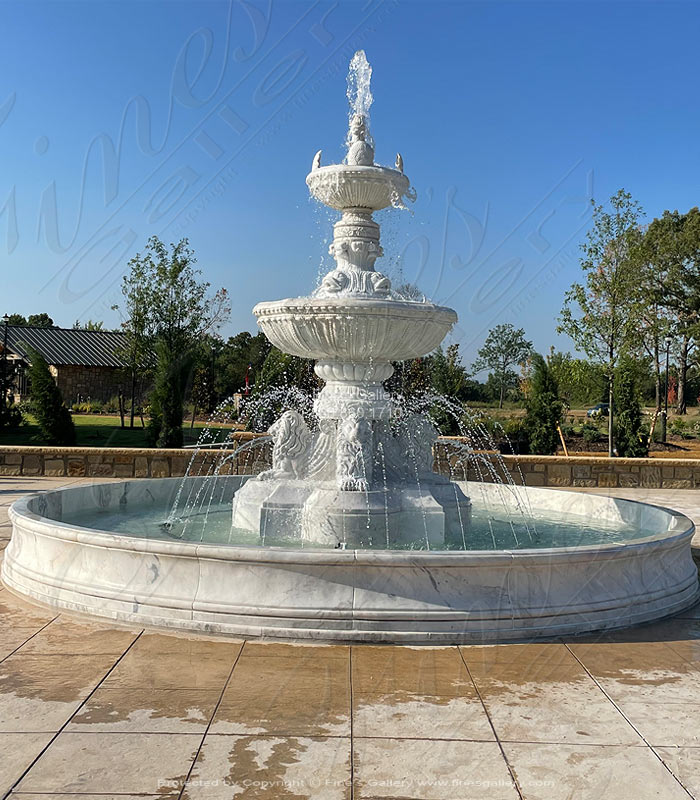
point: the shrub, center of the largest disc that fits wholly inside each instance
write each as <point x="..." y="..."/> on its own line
<point x="630" y="440"/>
<point x="568" y="430"/>
<point x="679" y="427"/>
<point x="513" y="428"/>
<point x="590" y="433"/>
<point x="53" y="417"/>
<point x="544" y="409"/>
<point x="26" y="407"/>
<point x="10" y="417"/>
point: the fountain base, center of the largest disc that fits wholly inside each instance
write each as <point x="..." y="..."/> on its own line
<point x="436" y="512"/>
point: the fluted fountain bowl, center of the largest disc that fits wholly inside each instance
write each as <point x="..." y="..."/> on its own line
<point x="341" y="186"/>
<point x="354" y="329"/>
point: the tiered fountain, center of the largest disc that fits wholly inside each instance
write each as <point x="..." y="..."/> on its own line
<point x="356" y="479"/>
<point x="351" y="536"/>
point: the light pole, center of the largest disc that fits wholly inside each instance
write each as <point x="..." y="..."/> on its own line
<point x="664" y="420"/>
<point x="5" y="321"/>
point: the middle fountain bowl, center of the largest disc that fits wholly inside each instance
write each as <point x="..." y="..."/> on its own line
<point x="370" y="188"/>
<point x="354" y="329"/>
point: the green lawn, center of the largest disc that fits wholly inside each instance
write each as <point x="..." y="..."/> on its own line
<point x="97" y="430"/>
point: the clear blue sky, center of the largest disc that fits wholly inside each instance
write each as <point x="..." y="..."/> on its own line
<point x="508" y="115"/>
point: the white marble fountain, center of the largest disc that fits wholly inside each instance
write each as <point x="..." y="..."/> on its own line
<point x="351" y="535"/>
<point x="328" y="482"/>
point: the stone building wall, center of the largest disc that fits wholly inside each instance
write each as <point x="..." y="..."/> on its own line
<point x="95" y="383"/>
<point x="556" y="471"/>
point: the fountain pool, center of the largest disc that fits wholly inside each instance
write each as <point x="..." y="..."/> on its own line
<point x="351" y="534"/>
<point x="101" y="550"/>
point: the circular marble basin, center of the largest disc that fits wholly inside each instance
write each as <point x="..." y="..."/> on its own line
<point x="346" y="595"/>
<point x="352" y="329"/>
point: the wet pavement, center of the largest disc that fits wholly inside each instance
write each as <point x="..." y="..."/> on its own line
<point x="92" y="711"/>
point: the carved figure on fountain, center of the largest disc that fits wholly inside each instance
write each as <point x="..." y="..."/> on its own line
<point x="360" y="152"/>
<point x="354" y="282"/>
<point x="420" y="437"/>
<point x="355" y="454"/>
<point x="293" y="442"/>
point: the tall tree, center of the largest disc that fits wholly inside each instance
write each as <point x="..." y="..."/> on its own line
<point x="240" y="356"/>
<point x="138" y="328"/>
<point x="504" y="348"/>
<point x="671" y="248"/>
<point x="655" y="321"/>
<point x="170" y="310"/>
<point x="600" y="315"/>
<point x="580" y="381"/>
<point x="42" y="320"/>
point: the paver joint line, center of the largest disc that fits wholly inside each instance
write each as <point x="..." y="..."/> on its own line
<point x="65" y="724"/>
<point x="181" y="795"/>
<point x="627" y="719"/>
<point x="511" y="772"/>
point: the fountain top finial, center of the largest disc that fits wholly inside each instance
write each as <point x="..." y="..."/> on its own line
<point x="360" y="150"/>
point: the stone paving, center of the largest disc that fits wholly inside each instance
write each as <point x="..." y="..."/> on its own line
<point x="92" y="711"/>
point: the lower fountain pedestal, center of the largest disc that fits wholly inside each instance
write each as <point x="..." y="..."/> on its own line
<point x="436" y="513"/>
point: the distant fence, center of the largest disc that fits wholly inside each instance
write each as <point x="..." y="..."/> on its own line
<point x="249" y="456"/>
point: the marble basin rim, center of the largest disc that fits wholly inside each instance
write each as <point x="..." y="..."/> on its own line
<point x="436" y="597"/>
<point x="354" y="329"/>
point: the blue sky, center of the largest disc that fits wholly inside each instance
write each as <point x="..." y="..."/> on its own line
<point x="509" y="116"/>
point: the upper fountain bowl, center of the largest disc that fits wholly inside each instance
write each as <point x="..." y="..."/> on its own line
<point x="344" y="186"/>
<point x="354" y="329"/>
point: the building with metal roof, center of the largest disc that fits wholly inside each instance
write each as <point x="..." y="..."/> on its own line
<point x="86" y="364"/>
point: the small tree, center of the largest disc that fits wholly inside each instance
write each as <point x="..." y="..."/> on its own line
<point x="170" y="312"/>
<point x="54" y="419"/>
<point x="602" y="316"/>
<point x="544" y="408"/>
<point x="630" y="440"/>
<point x="505" y="346"/>
<point x="167" y="401"/>
<point x="449" y="379"/>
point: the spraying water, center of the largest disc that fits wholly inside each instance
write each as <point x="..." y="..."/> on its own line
<point x="359" y="92"/>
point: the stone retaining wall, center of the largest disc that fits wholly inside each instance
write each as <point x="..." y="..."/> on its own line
<point x="70" y="462"/>
<point x="131" y="462"/>
<point x="592" y="471"/>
